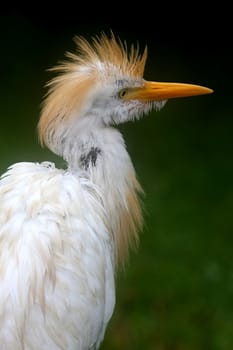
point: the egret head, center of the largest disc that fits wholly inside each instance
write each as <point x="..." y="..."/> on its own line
<point x="102" y="83"/>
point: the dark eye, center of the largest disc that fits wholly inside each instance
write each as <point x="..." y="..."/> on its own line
<point x="122" y="93"/>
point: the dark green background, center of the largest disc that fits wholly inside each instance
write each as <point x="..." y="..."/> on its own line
<point x="177" y="290"/>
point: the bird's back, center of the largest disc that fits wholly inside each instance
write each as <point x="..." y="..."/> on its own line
<point x="56" y="260"/>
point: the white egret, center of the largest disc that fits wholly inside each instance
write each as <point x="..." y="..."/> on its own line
<point x="63" y="232"/>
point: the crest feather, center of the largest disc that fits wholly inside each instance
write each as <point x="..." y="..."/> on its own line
<point x="110" y="51"/>
<point x="103" y="51"/>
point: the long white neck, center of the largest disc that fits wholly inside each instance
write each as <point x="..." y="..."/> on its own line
<point x="99" y="153"/>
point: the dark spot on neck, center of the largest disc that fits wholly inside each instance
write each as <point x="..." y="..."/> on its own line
<point x="89" y="158"/>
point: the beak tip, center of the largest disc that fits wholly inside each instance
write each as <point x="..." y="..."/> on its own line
<point x="209" y="91"/>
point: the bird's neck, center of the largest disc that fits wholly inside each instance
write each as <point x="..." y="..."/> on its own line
<point x="100" y="155"/>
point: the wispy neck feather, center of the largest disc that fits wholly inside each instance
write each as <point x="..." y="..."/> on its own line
<point x="63" y="107"/>
<point x="113" y="171"/>
<point x="101" y="156"/>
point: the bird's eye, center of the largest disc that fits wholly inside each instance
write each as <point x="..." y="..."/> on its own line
<point x="122" y="93"/>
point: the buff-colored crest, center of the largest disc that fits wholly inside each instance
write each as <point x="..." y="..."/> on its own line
<point x="102" y="58"/>
<point x="104" y="53"/>
<point x="110" y="52"/>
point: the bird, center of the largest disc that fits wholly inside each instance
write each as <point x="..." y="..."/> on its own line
<point x="65" y="232"/>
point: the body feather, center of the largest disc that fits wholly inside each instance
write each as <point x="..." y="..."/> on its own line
<point x="56" y="260"/>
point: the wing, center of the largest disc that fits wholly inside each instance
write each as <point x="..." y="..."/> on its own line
<point x="56" y="260"/>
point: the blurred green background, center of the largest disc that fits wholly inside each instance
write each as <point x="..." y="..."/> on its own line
<point x="177" y="290"/>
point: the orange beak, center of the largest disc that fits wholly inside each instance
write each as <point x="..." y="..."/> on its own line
<point x="153" y="91"/>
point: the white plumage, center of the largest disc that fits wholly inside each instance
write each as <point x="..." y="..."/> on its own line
<point x="57" y="285"/>
<point x="64" y="232"/>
